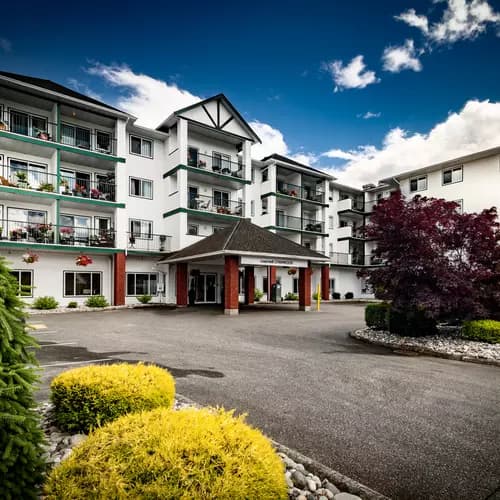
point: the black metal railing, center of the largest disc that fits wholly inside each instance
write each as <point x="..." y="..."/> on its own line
<point x="39" y="127"/>
<point x="299" y="223"/>
<point x="217" y="204"/>
<point x="148" y="242"/>
<point x="35" y="178"/>
<point x="48" y="233"/>
<point x="216" y="163"/>
<point x="313" y="225"/>
<point x="303" y="192"/>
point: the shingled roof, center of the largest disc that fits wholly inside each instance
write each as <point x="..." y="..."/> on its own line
<point x="244" y="237"/>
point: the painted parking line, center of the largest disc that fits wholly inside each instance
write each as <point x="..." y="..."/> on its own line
<point x="37" y="326"/>
<point x="76" y="362"/>
<point x="55" y="343"/>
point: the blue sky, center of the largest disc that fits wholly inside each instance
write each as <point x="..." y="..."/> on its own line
<point x="276" y="62"/>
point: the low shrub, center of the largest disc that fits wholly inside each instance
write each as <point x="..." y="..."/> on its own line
<point x="291" y="296"/>
<point x="336" y="296"/>
<point x="144" y="299"/>
<point x="315" y="295"/>
<point x="85" y="398"/>
<point x="377" y="316"/>
<point x="96" y="301"/>
<point x="195" y="454"/>
<point x="413" y="323"/>
<point x="349" y="295"/>
<point x="258" y="295"/>
<point x="486" y="330"/>
<point x="72" y="304"/>
<point x="45" y="303"/>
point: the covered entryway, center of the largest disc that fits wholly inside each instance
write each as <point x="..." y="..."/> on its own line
<point x="210" y="271"/>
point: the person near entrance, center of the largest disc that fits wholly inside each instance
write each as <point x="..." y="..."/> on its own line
<point x="192" y="295"/>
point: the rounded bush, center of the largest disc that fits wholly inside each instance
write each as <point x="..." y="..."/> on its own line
<point x="377" y="316"/>
<point x="72" y="305"/>
<point x="85" y="398"/>
<point x="485" y="330"/>
<point x="96" y="301"/>
<point x="336" y="296"/>
<point x="45" y="303"/>
<point x="144" y="299"/>
<point x="187" y="454"/>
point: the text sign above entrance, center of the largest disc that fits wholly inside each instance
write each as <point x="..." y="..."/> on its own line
<point x="271" y="261"/>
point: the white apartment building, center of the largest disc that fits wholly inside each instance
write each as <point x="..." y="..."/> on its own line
<point x="80" y="178"/>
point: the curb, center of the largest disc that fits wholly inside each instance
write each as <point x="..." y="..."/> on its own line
<point x="342" y="482"/>
<point x="37" y="312"/>
<point x="425" y="350"/>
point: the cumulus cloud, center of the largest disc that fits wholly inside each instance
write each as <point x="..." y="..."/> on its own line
<point x="474" y="128"/>
<point x="5" y="45"/>
<point x="83" y="89"/>
<point x="400" y="57"/>
<point x="272" y="140"/>
<point x="461" y="20"/>
<point x="353" y="75"/>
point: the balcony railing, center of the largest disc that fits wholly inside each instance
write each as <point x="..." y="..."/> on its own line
<point x="148" y="242"/>
<point x="48" y="233"/>
<point x="217" y="164"/>
<point x="35" y="178"/>
<point x="350" y="232"/>
<point x="39" y="127"/>
<point x="299" y="223"/>
<point x="303" y="192"/>
<point x="218" y="205"/>
<point x="350" y="259"/>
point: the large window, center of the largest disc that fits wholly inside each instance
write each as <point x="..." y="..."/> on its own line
<point x="140" y="146"/>
<point x="221" y="199"/>
<point x="452" y="175"/>
<point x="103" y="141"/>
<point x="75" y="136"/>
<point x="35" y="173"/>
<point x="142" y="283"/>
<point x="81" y="284"/>
<point x="19" y="221"/>
<point x="141" y="188"/>
<point x="23" y="123"/>
<point x="221" y="162"/>
<point x="141" y="228"/>
<point x="192" y="157"/>
<point x="418" y="184"/>
<point x="25" y="280"/>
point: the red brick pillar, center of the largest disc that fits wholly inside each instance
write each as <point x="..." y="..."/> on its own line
<point x="181" y="284"/>
<point x="119" y="261"/>
<point x="231" y="284"/>
<point x="305" y="288"/>
<point x="325" y="282"/>
<point x="271" y="280"/>
<point x="249" y="285"/>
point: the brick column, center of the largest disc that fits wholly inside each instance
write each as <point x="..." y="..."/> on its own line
<point x="231" y="284"/>
<point x="325" y="282"/>
<point x="119" y="261"/>
<point x="305" y="288"/>
<point x="249" y="285"/>
<point x="271" y="280"/>
<point x="181" y="284"/>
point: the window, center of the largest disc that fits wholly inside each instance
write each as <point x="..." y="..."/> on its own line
<point x="216" y="229"/>
<point x="25" y="280"/>
<point x="75" y="136"/>
<point x="418" y="184"/>
<point x="332" y="285"/>
<point x="265" y="175"/>
<point x="19" y="220"/>
<point x="36" y="174"/>
<point x="295" y="285"/>
<point x="252" y="208"/>
<point x="23" y="123"/>
<point x="103" y="141"/>
<point x="81" y="284"/>
<point x="452" y="175"/>
<point x="221" y="162"/>
<point x="141" y="188"/>
<point x="141" y="228"/>
<point x="193" y="229"/>
<point x="330" y="222"/>
<point x="142" y="284"/>
<point x="192" y="157"/>
<point x="330" y="249"/>
<point x="140" y="146"/>
<point x="221" y="199"/>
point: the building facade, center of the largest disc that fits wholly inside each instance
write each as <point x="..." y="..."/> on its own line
<point x="81" y="179"/>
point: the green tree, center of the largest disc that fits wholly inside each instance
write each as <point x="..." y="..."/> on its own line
<point x="21" y="438"/>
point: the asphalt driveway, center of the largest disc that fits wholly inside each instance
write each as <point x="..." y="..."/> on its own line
<point x="410" y="427"/>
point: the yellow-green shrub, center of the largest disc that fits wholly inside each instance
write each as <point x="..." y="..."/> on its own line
<point x="88" y="397"/>
<point x="188" y="454"/>
<point x="485" y="330"/>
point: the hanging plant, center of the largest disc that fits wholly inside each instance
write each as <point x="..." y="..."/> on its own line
<point x="30" y="257"/>
<point x="83" y="260"/>
<point x="292" y="271"/>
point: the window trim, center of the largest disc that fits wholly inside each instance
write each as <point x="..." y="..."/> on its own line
<point x="30" y="271"/>
<point x="142" y="139"/>
<point x="81" y="128"/>
<point x="82" y="272"/>
<point x="30" y="121"/>
<point x="141" y="180"/>
<point x="221" y="192"/>
<point x="417" y="178"/>
<point x="149" y="284"/>
<point x="452" y="169"/>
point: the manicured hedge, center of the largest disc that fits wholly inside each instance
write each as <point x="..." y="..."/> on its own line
<point x="187" y="454"/>
<point x="85" y="398"/>
<point x="413" y="323"/>
<point x="377" y="316"/>
<point x="486" y="330"/>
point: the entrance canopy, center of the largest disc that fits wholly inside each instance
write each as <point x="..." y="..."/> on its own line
<point x="246" y="245"/>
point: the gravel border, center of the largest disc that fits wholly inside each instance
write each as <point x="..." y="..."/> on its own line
<point x="445" y="346"/>
<point x="80" y="309"/>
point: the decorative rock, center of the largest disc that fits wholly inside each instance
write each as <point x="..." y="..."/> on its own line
<point x="288" y="479"/>
<point x="325" y="493"/>
<point x="301" y="497"/>
<point x="77" y="439"/>
<point x="299" y="479"/>
<point x="346" y="496"/>
<point x="311" y="485"/>
<point x="330" y="487"/>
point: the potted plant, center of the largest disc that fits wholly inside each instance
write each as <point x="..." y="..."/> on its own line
<point x="46" y="186"/>
<point x="64" y="187"/>
<point x="42" y="134"/>
<point x="65" y="235"/>
<point x="79" y="190"/>
<point x="30" y="257"/>
<point x="3" y="125"/>
<point x="17" y="234"/>
<point x="95" y="193"/>
<point x="202" y="163"/>
<point x="22" y="180"/>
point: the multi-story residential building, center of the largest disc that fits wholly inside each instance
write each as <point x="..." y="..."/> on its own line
<point x="80" y="177"/>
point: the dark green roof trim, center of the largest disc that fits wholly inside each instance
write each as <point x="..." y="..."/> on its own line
<point x="290" y="230"/>
<point x="199" y="213"/>
<point x="180" y="166"/>
<point x="60" y="147"/>
<point x="57" y="196"/>
<point x="145" y="252"/>
<point x="64" y="248"/>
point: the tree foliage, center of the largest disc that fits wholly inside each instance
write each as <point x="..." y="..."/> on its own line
<point x="21" y="439"/>
<point x="437" y="260"/>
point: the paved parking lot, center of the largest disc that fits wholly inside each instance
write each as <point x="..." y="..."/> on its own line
<point x="409" y="427"/>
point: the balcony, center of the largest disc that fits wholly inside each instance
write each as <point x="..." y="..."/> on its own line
<point x="295" y="191"/>
<point x="217" y="164"/>
<point x="346" y="232"/>
<point x="350" y="205"/>
<point x="217" y="205"/>
<point x="350" y="259"/>
<point x="50" y="234"/>
<point x="37" y="127"/>
<point x="299" y="223"/>
<point x="35" y="178"/>
<point x="148" y="242"/>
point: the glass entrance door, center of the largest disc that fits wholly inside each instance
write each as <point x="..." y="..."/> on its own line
<point x="206" y="288"/>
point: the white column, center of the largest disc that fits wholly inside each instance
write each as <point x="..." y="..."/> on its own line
<point x="121" y="222"/>
<point x="182" y="177"/>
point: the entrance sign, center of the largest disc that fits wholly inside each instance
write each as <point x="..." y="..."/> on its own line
<point x="272" y="261"/>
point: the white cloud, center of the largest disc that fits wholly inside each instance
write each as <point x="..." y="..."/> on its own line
<point x="5" y="45"/>
<point x="305" y="158"/>
<point x="272" y="141"/>
<point x="351" y="76"/>
<point x="400" y="57"/>
<point x="83" y="89"/>
<point x="368" y="115"/>
<point x="475" y="127"/>
<point x="461" y="20"/>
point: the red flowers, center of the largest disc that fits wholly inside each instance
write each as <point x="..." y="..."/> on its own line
<point x="83" y="260"/>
